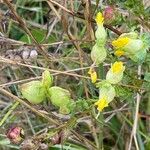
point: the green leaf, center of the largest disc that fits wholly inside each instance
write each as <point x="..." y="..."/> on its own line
<point x="38" y="34"/>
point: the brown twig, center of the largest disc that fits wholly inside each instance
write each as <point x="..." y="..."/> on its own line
<point x="62" y="72"/>
<point x="41" y="68"/>
<point x="81" y="16"/>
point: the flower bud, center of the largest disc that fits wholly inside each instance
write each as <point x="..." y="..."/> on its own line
<point x="61" y="98"/>
<point x="47" y="79"/>
<point x="115" y="74"/>
<point x="33" y="91"/>
<point x="109" y="14"/>
<point x="15" y="135"/>
<point x="98" y="54"/>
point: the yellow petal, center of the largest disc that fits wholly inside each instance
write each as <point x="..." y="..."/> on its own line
<point x="102" y="103"/>
<point x="117" y="67"/>
<point x="99" y="18"/>
<point x="93" y="75"/>
<point x="119" y="53"/>
<point x="120" y="42"/>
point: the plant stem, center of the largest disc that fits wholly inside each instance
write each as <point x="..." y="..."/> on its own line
<point x="8" y="113"/>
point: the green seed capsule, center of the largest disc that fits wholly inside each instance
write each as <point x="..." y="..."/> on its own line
<point x="33" y="91"/>
<point x="98" y="54"/>
<point x="61" y="98"/>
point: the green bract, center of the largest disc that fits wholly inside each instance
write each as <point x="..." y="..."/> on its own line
<point x="98" y="54"/>
<point x="132" y="35"/>
<point x="33" y="91"/>
<point x="100" y="35"/>
<point x="36" y="91"/>
<point x="139" y="57"/>
<point x="115" y="73"/>
<point x="133" y="46"/>
<point x="47" y="79"/>
<point x="107" y="90"/>
<point x="61" y="98"/>
<point x="114" y="78"/>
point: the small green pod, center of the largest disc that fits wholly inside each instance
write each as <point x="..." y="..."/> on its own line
<point x="33" y="91"/>
<point x="61" y="98"/>
<point x="98" y="54"/>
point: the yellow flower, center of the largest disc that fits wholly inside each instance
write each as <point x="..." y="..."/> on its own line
<point x="102" y="103"/>
<point x="120" y="42"/>
<point x="119" y="53"/>
<point x="117" y="67"/>
<point x="93" y="75"/>
<point x="99" y="18"/>
<point x="115" y="73"/>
